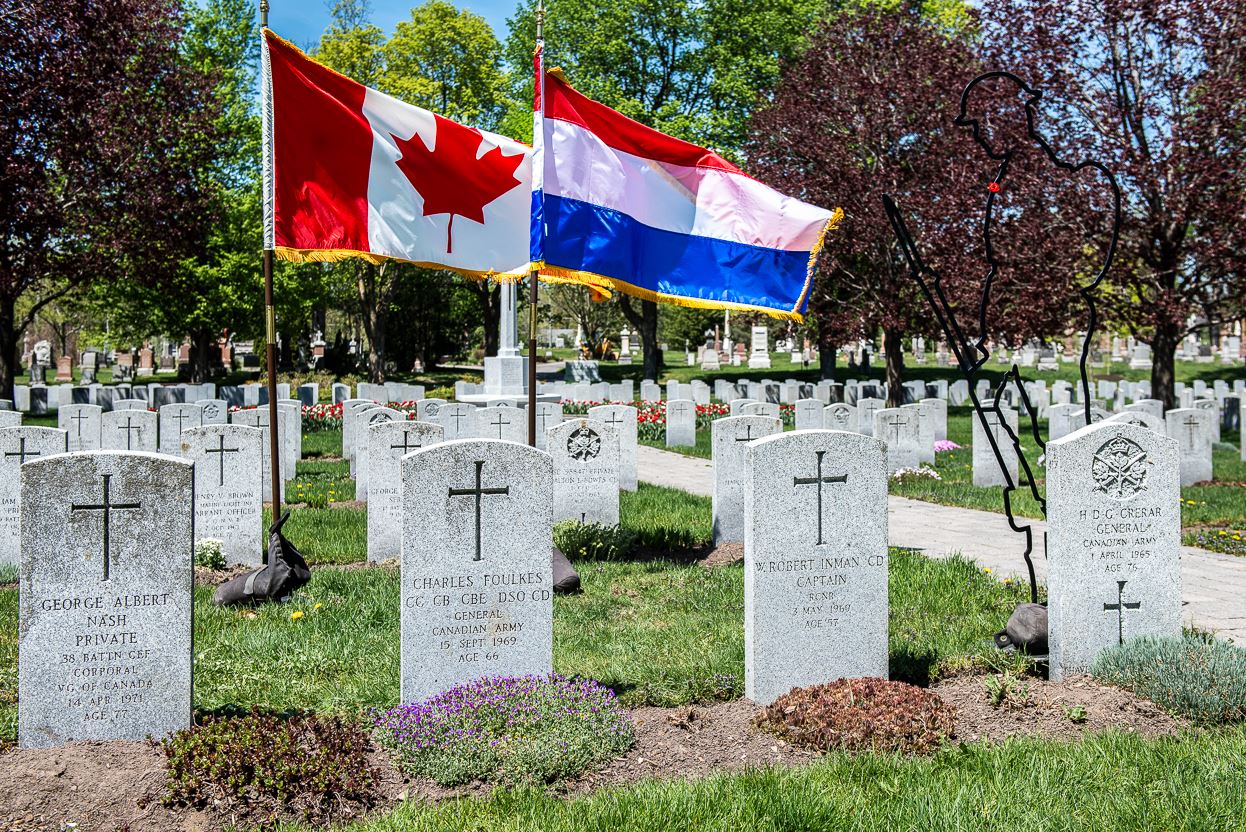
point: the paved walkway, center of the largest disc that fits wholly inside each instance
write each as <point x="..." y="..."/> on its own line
<point x="1213" y="586"/>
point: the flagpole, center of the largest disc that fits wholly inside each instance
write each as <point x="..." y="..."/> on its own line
<point x="270" y="329"/>
<point x="532" y="275"/>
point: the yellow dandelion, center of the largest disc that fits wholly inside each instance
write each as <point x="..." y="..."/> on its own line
<point x="318" y="606"/>
<point x="987" y="569"/>
<point x="1237" y="537"/>
<point x="1223" y="533"/>
<point x="296" y="615"/>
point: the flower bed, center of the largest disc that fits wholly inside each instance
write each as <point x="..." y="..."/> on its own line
<point x="508" y="729"/>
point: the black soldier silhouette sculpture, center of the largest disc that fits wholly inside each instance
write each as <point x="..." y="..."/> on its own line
<point x="989" y="108"/>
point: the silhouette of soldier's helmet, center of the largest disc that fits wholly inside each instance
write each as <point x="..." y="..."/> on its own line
<point x="999" y="108"/>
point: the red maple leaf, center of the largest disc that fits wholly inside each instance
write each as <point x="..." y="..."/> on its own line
<point x="450" y="178"/>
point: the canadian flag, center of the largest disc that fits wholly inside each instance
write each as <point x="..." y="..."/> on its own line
<point x="350" y="171"/>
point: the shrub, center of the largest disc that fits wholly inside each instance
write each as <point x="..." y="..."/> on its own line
<point x="1197" y="677"/>
<point x="904" y="475"/>
<point x="511" y="730"/>
<point x="861" y="715"/>
<point x="592" y="541"/>
<point x="208" y="553"/>
<point x="258" y="765"/>
<point x="8" y="573"/>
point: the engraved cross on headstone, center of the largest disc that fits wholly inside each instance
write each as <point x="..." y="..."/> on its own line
<point x="1119" y="608"/>
<point x="107" y="507"/>
<point x="406" y="446"/>
<point x="128" y="427"/>
<point x="221" y="450"/>
<point x="895" y="423"/>
<point x="499" y="425"/>
<point x="1191" y="424"/>
<point x="458" y="417"/>
<point x="478" y="492"/>
<point x="22" y="452"/>
<point x="544" y="417"/>
<point x="181" y="417"/>
<point x="78" y="418"/>
<point x="818" y="480"/>
<point x="614" y="421"/>
<point x="748" y="434"/>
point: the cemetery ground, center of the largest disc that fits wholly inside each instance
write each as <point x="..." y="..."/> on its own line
<point x="658" y="622"/>
<point x="660" y="625"/>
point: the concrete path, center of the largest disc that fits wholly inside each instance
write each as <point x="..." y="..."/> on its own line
<point x="1213" y="586"/>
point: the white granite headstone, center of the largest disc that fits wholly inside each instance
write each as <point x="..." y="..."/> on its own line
<point x="388" y="443"/>
<point x="681" y="423"/>
<point x="106" y="597"/>
<point x="1189" y="426"/>
<point x="129" y="430"/>
<point x="621" y="419"/>
<point x="229" y="489"/>
<point x="986" y="469"/>
<point x="83" y="424"/>
<point x="815" y="561"/>
<point x="175" y="418"/>
<point x="729" y="441"/>
<point x="586" y="471"/>
<point x="1113" y="541"/>
<point x="509" y="424"/>
<point x="19" y="445"/>
<point x="480" y="601"/>
<point x="899" y="429"/>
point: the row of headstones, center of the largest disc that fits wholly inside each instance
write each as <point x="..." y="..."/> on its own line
<point x="131" y="427"/>
<point x="41" y="400"/>
<point x="593" y="459"/>
<point x="231" y="482"/>
<point x="106" y="604"/>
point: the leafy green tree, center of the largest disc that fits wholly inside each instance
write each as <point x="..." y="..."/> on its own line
<point x="443" y="59"/>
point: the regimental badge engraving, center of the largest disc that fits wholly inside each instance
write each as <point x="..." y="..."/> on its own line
<point x="583" y="444"/>
<point x="1119" y="468"/>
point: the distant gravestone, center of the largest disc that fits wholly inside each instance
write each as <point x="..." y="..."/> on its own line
<point x="621" y="419"/>
<point x="480" y="601"/>
<point x="925" y="431"/>
<point x="290" y="436"/>
<point x="1113" y="541"/>
<point x="214" y="411"/>
<point x="1063" y="419"/>
<point x="586" y="471"/>
<point x="129" y="430"/>
<point x="1189" y="426"/>
<point x="815" y="561"/>
<point x="364" y="422"/>
<point x="340" y="392"/>
<point x="549" y="414"/>
<point x="681" y="423"/>
<point x="1140" y="418"/>
<point x="840" y="416"/>
<point x="174" y="419"/>
<point x="509" y="424"/>
<point x="730" y="439"/>
<point x="388" y="443"/>
<point x="19" y="445"/>
<point x="650" y="391"/>
<point x="751" y="408"/>
<point x="257" y="417"/>
<point x="1212" y="407"/>
<point x="1153" y="406"/>
<point x="866" y="408"/>
<point x="986" y="469"/>
<point x="429" y="410"/>
<point x="309" y="394"/>
<point x="899" y="430"/>
<point x="458" y="420"/>
<point x="106" y="598"/>
<point x="82" y="424"/>
<point x="229" y="489"/>
<point x="937" y="411"/>
<point x="809" y="414"/>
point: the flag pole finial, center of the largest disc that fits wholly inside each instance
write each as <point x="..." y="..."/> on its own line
<point x="540" y="20"/>
<point x="264" y="13"/>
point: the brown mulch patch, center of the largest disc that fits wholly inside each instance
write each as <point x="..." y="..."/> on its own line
<point x="1045" y="710"/>
<point x="216" y="577"/>
<point x="724" y="554"/>
<point x="117" y="785"/>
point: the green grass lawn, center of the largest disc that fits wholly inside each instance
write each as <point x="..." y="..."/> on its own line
<point x="662" y="632"/>
<point x="1193" y="783"/>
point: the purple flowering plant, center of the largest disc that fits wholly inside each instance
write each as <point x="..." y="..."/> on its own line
<point x="513" y="730"/>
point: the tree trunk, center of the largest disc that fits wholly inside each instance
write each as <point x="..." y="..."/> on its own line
<point x="646" y="324"/>
<point x="1163" y="357"/>
<point x="376" y="288"/>
<point x="827" y="349"/>
<point x="201" y="342"/>
<point x="10" y="362"/>
<point x="893" y="345"/>
<point x="489" y="297"/>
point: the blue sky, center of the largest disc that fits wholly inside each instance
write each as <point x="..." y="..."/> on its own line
<point x="302" y="21"/>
